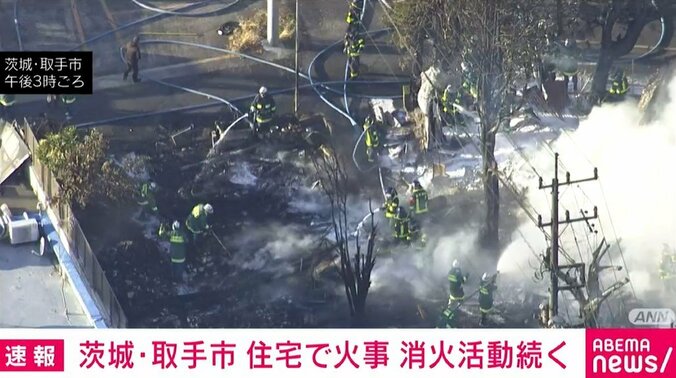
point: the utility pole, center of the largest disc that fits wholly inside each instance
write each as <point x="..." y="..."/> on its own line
<point x="295" y="93"/>
<point x="273" y="23"/>
<point x="553" y="254"/>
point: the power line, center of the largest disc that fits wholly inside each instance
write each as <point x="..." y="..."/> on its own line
<point x="553" y="257"/>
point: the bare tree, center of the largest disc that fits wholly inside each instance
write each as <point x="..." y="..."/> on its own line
<point x="621" y="23"/>
<point x="501" y="41"/>
<point x="591" y="296"/>
<point x="355" y="271"/>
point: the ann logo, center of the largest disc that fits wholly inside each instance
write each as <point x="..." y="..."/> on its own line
<point x="652" y="317"/>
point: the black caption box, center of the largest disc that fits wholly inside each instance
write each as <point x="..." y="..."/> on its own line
<point x="46" y="72"/>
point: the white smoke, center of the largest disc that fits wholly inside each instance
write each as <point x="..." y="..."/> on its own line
<point x="274" y="247"/>
<point x="634" y="193"/>
<point x="426" y="270"/>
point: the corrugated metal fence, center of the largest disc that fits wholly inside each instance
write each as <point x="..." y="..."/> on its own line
<point x="88" y="264"/>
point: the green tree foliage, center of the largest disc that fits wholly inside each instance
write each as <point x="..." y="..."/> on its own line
<point x="82" y="168"/>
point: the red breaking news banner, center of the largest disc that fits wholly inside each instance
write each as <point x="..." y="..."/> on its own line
<point x="504" y="353"/>
<point x="32" y="355"/>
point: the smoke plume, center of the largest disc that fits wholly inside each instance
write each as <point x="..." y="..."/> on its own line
<point x="634" y="193"/>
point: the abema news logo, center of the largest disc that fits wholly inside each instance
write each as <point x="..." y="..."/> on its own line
<point x="634" y="353"/>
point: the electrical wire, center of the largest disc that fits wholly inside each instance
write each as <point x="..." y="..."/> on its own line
<point x="610" y="219"/>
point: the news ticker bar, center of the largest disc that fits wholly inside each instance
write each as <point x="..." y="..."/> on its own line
<point x="409" y="353"/>
<point x="46" y="72"/>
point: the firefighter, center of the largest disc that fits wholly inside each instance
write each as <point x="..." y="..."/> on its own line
<point x="132" y="56"/>
<point x="146" y="198"/>
<point x="352" y="17"/>
<point x="371" y="138"/>
<point x="353" y="53"/>
<point x="419" y="199"/>
<point x="7" y="102"/>
<point x="570" y="68"/>
<point x="446" y="100"/>
<point x="447" y="318"/>
<point x="455" y="280"/>
<point x="391" y="203"/>
<point x="68" y="101"/>
<point x="486" y="289"/>
<point x="197" y="222"/>
<point x="619" y="86"/>
<point x="402" y="226"/>
<point x="177" y="248"/>
<point x="263" y="110"/>
<point x="450" y="112"/>
<point x="667" y="271"/>
<point x="353" y="37"/>
<point x="469" y="81"/>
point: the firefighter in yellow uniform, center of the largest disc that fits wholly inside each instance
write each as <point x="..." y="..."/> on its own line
<point x="419" y="199"/>
<point x="371" y="138"/>
<point x="402" y="226"/>
<point x="262" y="110"/>
<point x="619" y="86"/>
<point x="197" y="222"/>
<point x="486" y="289"/>
<point x="455" y="280"/>
<point x="391" y="203"/>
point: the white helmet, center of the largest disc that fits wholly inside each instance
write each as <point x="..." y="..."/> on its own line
<point x="456" y="263"/>
<point x="209" y="209"/>
<point x="176" y="225"/>
<point x="153" y="185"/>
<point x="464" y="66"/>
<point x="484" y="277"/>
<point x="262" y="91"/>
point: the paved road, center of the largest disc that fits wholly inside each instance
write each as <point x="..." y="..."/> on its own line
<point x="33" y="292"/>
<point x="230" y="78"/>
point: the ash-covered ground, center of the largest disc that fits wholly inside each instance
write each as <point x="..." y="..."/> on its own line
<point x="278" y="266"/>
